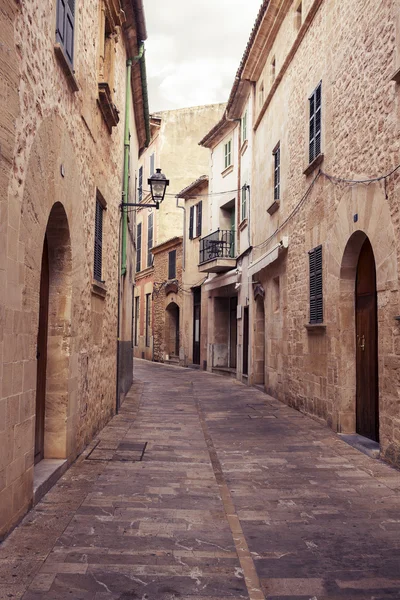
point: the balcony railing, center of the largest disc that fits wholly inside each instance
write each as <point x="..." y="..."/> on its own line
<point x="219" y="244"/>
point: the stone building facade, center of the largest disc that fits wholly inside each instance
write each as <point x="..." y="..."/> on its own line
<point x="323" y="271"/>
<point x="62" y="120"/>
<point x="174" y="149"/>
<point x="167" y="301"/>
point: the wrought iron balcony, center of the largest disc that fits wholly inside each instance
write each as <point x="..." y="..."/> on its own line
<point x="217" y="251"/>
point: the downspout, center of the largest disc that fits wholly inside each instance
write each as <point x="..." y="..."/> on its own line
<point x="127" y="148"/>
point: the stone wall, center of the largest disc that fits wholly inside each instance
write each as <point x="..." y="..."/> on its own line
<point x="57" y="154"/>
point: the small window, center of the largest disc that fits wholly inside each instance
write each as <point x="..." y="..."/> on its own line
<point x="152" y="164"/>
<point x="65" y="27"/>
<point x="261" y="95"/>
<point x="149" y="240"/>
<point x="273" y="70"/>
<point x="277" y="172"/>
<point x="316" y="297"/>
<point x="172" y="264"/>
<point x="140" y="184"/>
<point x="137" y="307"/>
<point x="148" y="306"/>
<point x="299" y="16"/>
<point x="244" y="127"/>
<point x="228" y="154"/>
<point x="315" y="123"/>
<point x="138" y="247"/>
<point x="244" y="202"/>
<point x="98" y="241"/>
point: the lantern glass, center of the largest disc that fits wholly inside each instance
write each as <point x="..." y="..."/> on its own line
<point x="158" y="185"/>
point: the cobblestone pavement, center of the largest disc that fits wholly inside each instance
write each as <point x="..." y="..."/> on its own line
<point x="205" y="489"/>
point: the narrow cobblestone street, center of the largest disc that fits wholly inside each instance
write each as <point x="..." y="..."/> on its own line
<point x="203" y="488"/>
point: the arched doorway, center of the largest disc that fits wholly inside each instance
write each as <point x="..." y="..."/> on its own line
<point x="172" y="329"/>
<point x="259" y="341"/>
<point x="54" y="339"/>
<point x="367" y="391"/>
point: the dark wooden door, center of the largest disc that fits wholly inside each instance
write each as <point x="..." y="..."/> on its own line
<point x="367" y="395"/>
<point x="246" y="340"/>
<point x="233" y="302"/>
<point x="177" y="332"/>
<point x="41" y="355"/>
<point x="196" y="325"/>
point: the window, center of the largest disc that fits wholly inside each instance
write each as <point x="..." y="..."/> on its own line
<point x="140" y="184"/>
<point x="148" y="305"/>
<point x="65" y="27"/>
<point x="138" y="247"/>
<point x="298" y="16"/>
<point x="261" y="95"/>
<point x="149" y="240"/>
<point x="276" y="294"/>
<point x="98" y="241"/>
<point x="244" y="127"/>
<point x="137" y="306"/>
<point x="195" y="220"/>
<point x="228" y="154"/>
<point x="315" y="123"/>
<point x="152" y="164"/>
<point x="277" y="172"/>
<point x="244" y="201"/>
<point x="172" y="264"/>
<point x="316" y="298"/>
<point x="273" y="70"/>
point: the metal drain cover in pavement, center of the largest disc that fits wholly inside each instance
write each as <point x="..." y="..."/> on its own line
<point x="125" y="452"/>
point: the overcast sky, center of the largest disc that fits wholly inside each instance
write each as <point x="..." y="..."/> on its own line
<point x="194" y="49"/>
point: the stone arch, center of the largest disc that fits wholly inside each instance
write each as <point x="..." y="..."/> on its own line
<point x="51" y="207"/>
<point x="362" y="213"/>
<point x="172" y="329"/>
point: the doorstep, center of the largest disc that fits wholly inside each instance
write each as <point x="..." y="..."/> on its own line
<point x="45" y="474"/>
<point x="363" y="444"/>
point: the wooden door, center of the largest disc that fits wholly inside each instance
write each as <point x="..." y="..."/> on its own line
<point x="367" y="395"/>
<point x="233" y="302"/>
<point x="246" y="340"/>
<point x="41" y="355"/>
<point x="196" y="325"/>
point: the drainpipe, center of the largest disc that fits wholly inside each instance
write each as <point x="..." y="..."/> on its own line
<point x="127" y="148"/>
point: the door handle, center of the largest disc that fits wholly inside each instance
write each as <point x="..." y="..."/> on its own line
<point x="361" y="342"/>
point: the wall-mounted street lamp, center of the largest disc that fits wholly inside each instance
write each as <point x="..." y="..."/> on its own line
<point x="158" y="184"/>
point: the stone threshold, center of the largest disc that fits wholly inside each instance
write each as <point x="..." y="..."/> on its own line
<point x="363" y="444"/>
<point x="45" y="474"/>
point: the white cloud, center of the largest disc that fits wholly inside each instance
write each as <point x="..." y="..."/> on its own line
<point x="194" y="49"/>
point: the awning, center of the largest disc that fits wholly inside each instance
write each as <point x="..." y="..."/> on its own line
<point x="268" y="258"/>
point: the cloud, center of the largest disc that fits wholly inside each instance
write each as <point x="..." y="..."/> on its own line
<point x="194" y="49"/>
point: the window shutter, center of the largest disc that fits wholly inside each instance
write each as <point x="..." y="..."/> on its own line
<point x="98" y="241"/>
<point x="315" y="123"/>
<point x="140" y="184"/>
<point x="277" y="172"/>
<point x="191" y="219"/>
<point x="172" y="264"/>
<point x="316" y="288"/>
<point x="199" y="216"/>
<point x="149" y="240"/>
<point x="65" y="26"/>
<point x="139" y="248"/>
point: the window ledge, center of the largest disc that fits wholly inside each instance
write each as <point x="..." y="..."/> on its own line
<point x="99" y="288"/>
<point x="314" y="164"/>
<point x="226" y="171"/>
<point x="315" y="327"/>
<point x="396" y="76"/>
<point x="66" y="67"/>
<point x="244" y="147"/>
<point x="243" y="224"/>
<point x="274" y="207"/>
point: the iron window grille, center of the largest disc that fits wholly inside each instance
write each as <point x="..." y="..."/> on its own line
<point x="149" y="240"/>
<point x="139" y="248"/>
<point x="316" y="288"/>
<point x="277" y="172"/>
<point x="172" y="264"/>
<point x="98" y="241"/>
<point x="315" y="123"/>
<point x="65" y="27"/>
